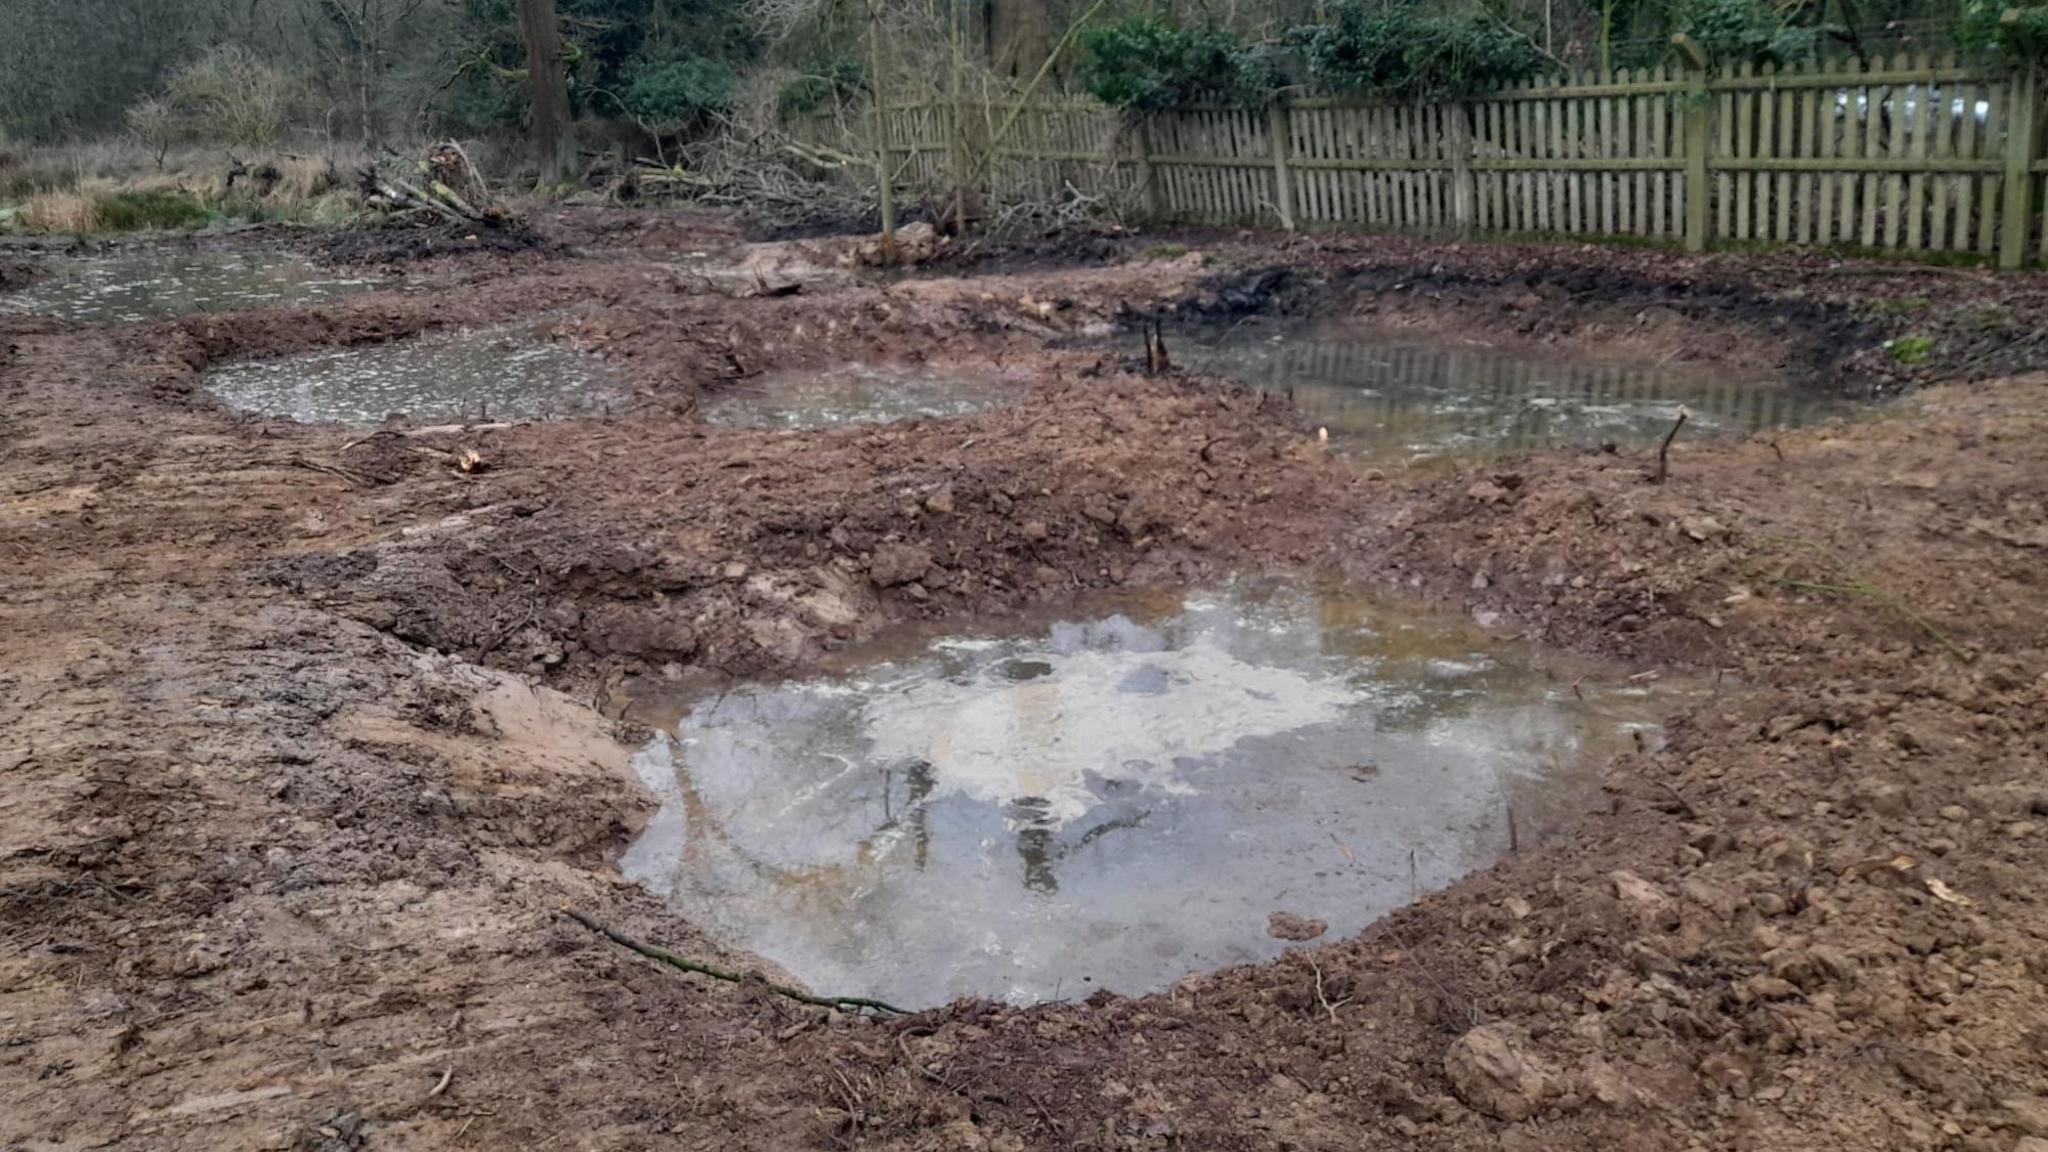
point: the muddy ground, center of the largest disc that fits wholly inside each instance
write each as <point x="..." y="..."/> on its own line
<point x="308" y="736"/>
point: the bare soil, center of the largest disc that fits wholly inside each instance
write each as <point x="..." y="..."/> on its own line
<point x="306" y="743"/>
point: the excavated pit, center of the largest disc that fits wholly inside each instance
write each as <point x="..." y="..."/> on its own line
<point x="503" y="373"/>
<point x="1407" y="400"/>
<point x="1139" y="789"/>
<point x="155" y="282"/>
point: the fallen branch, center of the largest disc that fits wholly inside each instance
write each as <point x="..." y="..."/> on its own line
<point x="669" y="958"/>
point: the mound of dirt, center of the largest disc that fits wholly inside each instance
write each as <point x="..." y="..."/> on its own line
<point x="366" y="246"/>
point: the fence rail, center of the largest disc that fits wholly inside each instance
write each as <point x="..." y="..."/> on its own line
<point x="1912" y="154"/>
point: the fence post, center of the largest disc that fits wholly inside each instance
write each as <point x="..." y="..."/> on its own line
<point x="1283" y="181"/>
<point x="1699" y="111"/>
<point x="1148" y="187"/>
<point x="2019" y="162"/>
<point x="1462" y="191"/>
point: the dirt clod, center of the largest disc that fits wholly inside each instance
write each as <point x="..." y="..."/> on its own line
<point x="1495" y="1069"/>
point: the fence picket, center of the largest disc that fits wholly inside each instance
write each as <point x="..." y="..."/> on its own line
<point x="1965" y="184"/>
<point x="1811" y="191"/>
<point x="1920" y="125"/>
<point x="1897" y="97"/>
<point x="1781" y="230"/>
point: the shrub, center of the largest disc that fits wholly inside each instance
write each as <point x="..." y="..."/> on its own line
<point x="2023" y="39"/>
<point x="143" y="209"/>
<point x="1753" y="31"/>
<point x="1409" y="53"/>
<point x="1145" y="63"/>
<point x="676" y="89"/>
<point x="232" y="95"/>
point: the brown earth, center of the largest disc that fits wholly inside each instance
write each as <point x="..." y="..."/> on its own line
<point x="304" y="738"/>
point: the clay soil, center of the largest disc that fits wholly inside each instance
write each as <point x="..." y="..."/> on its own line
<point x="308" y="735"/>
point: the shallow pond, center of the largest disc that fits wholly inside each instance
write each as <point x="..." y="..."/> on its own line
<point x="1415" y="401"/>
<point x="486" y="374"/>
<point x="852" y="394"/>
<point x="1118" y="799"/>
<point x="160" y="282"/>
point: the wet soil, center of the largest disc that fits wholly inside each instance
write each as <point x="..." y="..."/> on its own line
<point x="406" y="243"/>
<point x="306" y="740"/>
<point x="15" y="274"/>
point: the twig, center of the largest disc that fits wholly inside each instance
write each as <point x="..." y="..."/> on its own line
<point x="1322" y="999"/>
<point x="1685" y="807"/>
<point x="669" y="958"/>
<point x="446" y="1077"/>
<point x="345" y="474"/>
<point x="1664" y="449"/>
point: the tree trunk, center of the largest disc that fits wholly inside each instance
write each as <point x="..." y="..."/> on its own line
<point x="554" y="134"/>
<point x="1020" y="36"/>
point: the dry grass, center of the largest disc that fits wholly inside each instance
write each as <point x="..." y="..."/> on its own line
<point x="304" y="178"/>
<point x="56" y="186"/>
<point x="60" y="212"/>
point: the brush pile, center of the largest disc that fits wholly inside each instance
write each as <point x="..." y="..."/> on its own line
<point x="444" y="188"/>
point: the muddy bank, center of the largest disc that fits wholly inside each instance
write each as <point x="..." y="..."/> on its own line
<point x="409" y="243"/>
<point x="282" y="864"/>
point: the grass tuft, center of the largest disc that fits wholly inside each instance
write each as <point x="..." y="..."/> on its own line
<point x="149" y="209"/>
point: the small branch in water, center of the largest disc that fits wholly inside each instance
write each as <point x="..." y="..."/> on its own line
<point x="1664" y="449"/>
<point x="669" y="958"/>
<point x="1514" y="835"/>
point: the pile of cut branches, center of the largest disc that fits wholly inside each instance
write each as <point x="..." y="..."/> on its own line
<point x="776" y="180"/>
<point x="441" y="188"/>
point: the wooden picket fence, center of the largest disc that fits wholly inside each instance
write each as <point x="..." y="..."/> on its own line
<point x="1913" y="154"/>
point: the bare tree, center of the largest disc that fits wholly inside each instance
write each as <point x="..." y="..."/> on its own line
<point x="1019" y="36"/>
<point x="554" y="134"/>
<point x="364" y="32"/>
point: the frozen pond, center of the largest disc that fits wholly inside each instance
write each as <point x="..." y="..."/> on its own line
<point x="488" y="374"/>
<point x="157" y="283"/>
<point x="1409" y="401"/>
<point x="1114" y="800"/>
